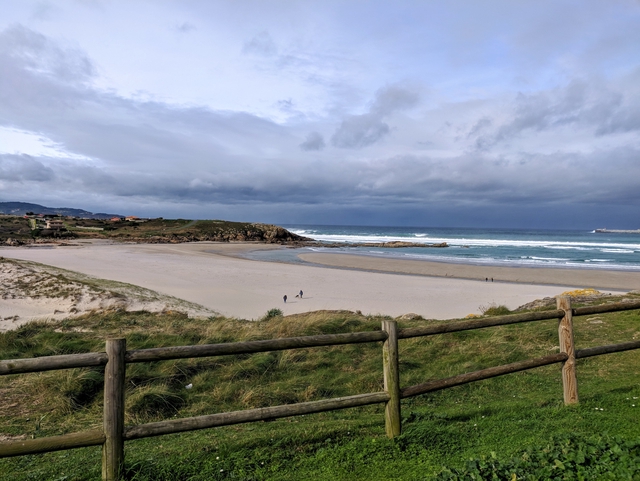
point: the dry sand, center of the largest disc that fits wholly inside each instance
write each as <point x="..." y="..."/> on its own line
<point x="30" y="291"/>
<point x="209" y="275"/>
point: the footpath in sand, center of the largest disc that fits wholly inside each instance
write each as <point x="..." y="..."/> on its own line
<point x="208" y="275"/>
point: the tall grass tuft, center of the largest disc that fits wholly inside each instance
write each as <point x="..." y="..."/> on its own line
<point x="494" y="310"/>
<point x="152" y="402"/>
<point x="271" y="313"/>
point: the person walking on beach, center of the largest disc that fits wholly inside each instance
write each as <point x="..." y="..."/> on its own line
<point x="300" y="293"/>
<point x="284" y="298"/>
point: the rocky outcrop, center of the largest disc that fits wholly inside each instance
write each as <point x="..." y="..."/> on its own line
<point x="264" y="233"/>
<point x="273" y="234"/>
<point x="13" y="242"/>
<point x="550" y="302"/>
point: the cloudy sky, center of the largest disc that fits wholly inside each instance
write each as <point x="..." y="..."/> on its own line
<point x="488" y="113"/>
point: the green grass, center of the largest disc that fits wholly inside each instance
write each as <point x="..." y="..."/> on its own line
<point x="505" y="415"/>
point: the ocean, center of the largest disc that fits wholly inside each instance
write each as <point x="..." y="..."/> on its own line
<point x="497" y="247"/>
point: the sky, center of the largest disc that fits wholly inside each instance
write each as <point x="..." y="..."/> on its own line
<point x="487" y="113"/>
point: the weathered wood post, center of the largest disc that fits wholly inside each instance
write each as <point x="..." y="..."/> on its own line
<point x="391" y="379"/>
<point x="113" y="448"/>
<point x="565" y="336"/>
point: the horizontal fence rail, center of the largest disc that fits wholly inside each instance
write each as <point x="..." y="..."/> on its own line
<point x="610" y="349"/>
<point x="252" y="415"/>
<point x="604" y="308"/>
<point x="113" y="434"/>
<point x="250" y="347"/>
<point x="52" y="363"/>
<point x="443" y="328"/>
<point x="52" y="443"/>
<point x="482" y="374"/>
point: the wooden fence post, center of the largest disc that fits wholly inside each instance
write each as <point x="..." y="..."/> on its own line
<point x="565" y="336"/>
<point x="114" y="374"/>
<point x="391" y="379"/>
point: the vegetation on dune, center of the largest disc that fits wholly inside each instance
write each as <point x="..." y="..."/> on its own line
<point x="511" y="425"/>
<point x="494" y="310"/>
<point x="80" y="293"/>
<point x="13" y="227"/>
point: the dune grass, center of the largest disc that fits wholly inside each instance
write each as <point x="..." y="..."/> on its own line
<point x="504" y="416"/>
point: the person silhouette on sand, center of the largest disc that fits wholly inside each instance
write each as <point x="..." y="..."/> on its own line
<point x="300" y="293"/>
<point x="284" y="298"/>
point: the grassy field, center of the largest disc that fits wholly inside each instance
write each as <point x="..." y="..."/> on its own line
<point x="512" y="425"/>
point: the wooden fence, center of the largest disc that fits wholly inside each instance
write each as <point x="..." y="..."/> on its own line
<point x="115" y="358"/>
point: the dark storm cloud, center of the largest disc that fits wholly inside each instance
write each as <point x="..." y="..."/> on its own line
<point x="357" y="131"/>
<point x="24" y="168"/>
<point x="314" y="141"/>
<point x="409" y="180"/>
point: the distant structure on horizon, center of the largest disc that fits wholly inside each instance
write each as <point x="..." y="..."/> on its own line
<point x="617" y="231"/>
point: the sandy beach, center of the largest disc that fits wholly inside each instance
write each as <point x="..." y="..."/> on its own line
<point x="210" y="274"/>
<point x="595" y="278"/>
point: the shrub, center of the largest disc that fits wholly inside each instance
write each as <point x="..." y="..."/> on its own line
<point x="271" y="313"/>
<point x="494" y="310"/>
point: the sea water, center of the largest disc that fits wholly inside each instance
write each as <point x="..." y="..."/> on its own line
<point x="497" y="247"/>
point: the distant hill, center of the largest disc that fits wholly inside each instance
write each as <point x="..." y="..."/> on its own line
<point x="21" y="208"/>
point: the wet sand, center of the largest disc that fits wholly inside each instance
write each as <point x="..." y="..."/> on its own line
<point x="595" y="278"/>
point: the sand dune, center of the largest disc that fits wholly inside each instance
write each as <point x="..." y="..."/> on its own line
<point x="30" y="291"/>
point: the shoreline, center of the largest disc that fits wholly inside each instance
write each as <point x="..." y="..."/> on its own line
<point x="552" y="276"/>
<point x="218" y="277"/>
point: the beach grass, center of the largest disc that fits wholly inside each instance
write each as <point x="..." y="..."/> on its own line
<point x="444" y="429"/>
